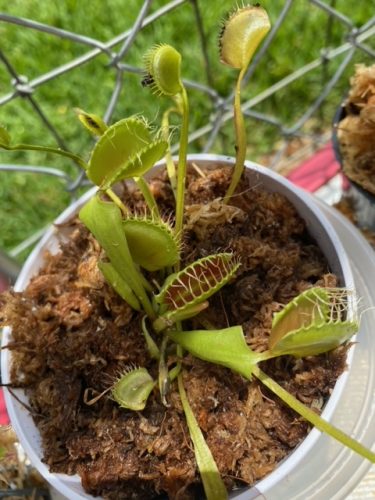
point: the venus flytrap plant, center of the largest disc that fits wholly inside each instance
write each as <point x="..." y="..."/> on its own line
<point x="135" y="246"/>
<point x="93" y="123"/>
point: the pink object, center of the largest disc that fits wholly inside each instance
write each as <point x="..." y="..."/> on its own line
<point x="317" y="170"/>
<point x="4" y="419"/>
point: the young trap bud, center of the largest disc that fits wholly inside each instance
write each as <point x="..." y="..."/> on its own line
<point x="162" y="64"/>
<point x="241" y="35"/>
<point x="91" y="122"/>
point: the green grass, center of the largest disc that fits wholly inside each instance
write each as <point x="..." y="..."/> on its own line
<point x="28" y="202"/>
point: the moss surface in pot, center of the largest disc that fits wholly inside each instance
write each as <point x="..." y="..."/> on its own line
<point x="164" y="349"/>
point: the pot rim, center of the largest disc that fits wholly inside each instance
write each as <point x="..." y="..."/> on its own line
<point x="69" y="485"/>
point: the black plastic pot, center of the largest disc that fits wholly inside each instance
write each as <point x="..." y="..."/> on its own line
<point x="363" y="201"/>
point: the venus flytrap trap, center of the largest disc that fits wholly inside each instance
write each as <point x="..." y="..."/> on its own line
<point x="184" y="293"/>
<point x="314" y="322"/>
<point x="132" y="389"/>
<point x="126" y="150"/>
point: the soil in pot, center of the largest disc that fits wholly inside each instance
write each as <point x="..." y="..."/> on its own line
<point x="72" y="335"/>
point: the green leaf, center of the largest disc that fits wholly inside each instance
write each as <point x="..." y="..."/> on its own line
<point x="93" y="123"/>
<point x="125" y="150"/>
<point x="104" y="220"/>
<point x="225" y="347"/>
<point x="163" y="67"/>
<point x="132" y="389"/>
<point x="313" y="323"/>
<point x="151" y="243"/>
<point x="213" y="484"/>
<point x="4" y="136"/>
<point x="242" y="34"/>
<point x="119" y="285"/>
<point x="197" y="282"/>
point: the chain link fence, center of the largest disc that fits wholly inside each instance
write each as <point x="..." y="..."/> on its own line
<point x="329" y="68"/>
<point x="295" y="136"/>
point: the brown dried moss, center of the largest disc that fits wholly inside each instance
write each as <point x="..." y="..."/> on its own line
<point x="356" y="131"/>
<point x="72" y="334"/>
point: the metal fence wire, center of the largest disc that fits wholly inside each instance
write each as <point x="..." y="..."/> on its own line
<point x="117" y="51"/>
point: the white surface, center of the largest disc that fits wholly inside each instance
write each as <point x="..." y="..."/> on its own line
<point x="331" y="191"/>
<point x="366" y="488"/>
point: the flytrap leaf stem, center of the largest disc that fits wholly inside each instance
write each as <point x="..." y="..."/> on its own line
<point x="46" y="149"/>
<point x="212" y="482"/>
<point x="241" y="141"/>
<point x="148" y="196"/>
<point x="117" y="200"/>
<point x="181" y="171"/>
<point x="171" y="168"/>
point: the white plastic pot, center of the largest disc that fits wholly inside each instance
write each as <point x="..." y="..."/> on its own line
<point x="320" y="229"/>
